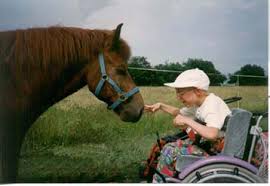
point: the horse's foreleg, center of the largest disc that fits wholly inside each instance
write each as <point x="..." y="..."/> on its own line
<point x="8" y="153"/>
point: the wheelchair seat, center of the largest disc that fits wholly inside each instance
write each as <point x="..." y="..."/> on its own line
<point x="236" y="127"/>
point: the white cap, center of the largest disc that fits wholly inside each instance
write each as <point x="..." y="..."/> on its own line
<point x="191" y="78"/>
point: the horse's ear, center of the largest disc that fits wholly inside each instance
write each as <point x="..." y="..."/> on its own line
<point x="116" y="38"/>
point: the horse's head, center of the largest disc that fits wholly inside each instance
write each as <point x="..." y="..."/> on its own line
<point x="109" y="80"/>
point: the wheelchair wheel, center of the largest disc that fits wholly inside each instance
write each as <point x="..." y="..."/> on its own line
<point x="222" y="173"/>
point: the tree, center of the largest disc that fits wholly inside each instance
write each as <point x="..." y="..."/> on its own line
<point x="155" y="78"/>
<point x="251" y="70"/>
<point x="141" y="77"/>
<point x="139" y="62"/>
<point x="164" y="77"/>
<point x="208" y="67"/>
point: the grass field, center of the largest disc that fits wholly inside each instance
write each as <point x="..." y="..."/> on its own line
<point x="79" y="140"/>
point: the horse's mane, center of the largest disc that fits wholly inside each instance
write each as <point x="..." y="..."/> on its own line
<point x="43" y="46"/>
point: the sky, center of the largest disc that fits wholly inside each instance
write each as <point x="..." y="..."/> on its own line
<point x="229" y="33"/>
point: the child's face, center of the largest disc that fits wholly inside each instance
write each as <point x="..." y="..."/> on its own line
<point x="187" y="96"/>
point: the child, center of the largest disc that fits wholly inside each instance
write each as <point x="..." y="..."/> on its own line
<point x="191" y="89"/>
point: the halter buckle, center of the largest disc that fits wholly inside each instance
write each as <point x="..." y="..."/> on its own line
<point x="105" y="77"/>
<point x="123" y="97"/>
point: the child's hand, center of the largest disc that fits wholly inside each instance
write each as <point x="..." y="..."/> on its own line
<point x="152" y="108"/>
<point x="180" y="121"/>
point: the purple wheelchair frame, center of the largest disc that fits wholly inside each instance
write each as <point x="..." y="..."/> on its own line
<point x="228" y="158"/>
<point x="217" y="159"/>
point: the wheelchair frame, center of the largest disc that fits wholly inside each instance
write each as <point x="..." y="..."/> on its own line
<point x="223" y="168"/>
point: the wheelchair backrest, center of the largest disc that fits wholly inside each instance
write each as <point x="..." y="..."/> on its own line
<point x="237" y="129"/>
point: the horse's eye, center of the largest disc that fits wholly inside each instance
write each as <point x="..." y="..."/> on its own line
<point x="121" y="72"/>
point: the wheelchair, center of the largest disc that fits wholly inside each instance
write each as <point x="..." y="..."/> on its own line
<point x="234" y="164"/>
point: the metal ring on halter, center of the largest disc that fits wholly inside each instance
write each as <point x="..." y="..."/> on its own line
<point x="105" y="77"/>
<point x="123" y="97"/>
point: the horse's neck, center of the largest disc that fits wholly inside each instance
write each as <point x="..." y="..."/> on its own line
<point x="34" y="90"/>
<point x="68" y="81"/>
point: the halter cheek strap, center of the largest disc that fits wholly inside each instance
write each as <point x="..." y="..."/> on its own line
<point x="123" y="96"/>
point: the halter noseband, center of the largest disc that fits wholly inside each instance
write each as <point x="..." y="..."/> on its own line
<point x="123" y="96"/>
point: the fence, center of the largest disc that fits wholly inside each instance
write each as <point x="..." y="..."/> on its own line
<point x="252" y="93"/>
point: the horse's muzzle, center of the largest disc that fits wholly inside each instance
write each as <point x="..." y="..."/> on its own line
<point x="131" y="115"/>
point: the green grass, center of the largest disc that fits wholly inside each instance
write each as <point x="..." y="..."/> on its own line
<point x="79" y="140"/>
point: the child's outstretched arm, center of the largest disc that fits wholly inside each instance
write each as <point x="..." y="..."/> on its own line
<point x="161" y="106"/>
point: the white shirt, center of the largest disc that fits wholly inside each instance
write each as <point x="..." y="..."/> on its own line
<point x="212" y="111"/>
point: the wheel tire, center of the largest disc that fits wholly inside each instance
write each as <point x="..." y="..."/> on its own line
<point x="222" y="173"/>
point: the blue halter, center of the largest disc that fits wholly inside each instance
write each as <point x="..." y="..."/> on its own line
<point x="123" y="96"/>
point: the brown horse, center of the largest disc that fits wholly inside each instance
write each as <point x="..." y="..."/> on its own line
<point x="41" y="66"/>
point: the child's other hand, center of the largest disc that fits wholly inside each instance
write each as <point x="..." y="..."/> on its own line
<point x="152" y="108"/>
<point x="180" y="121"/>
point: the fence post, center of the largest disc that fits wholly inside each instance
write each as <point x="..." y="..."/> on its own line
<point x="238" y="92"/>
